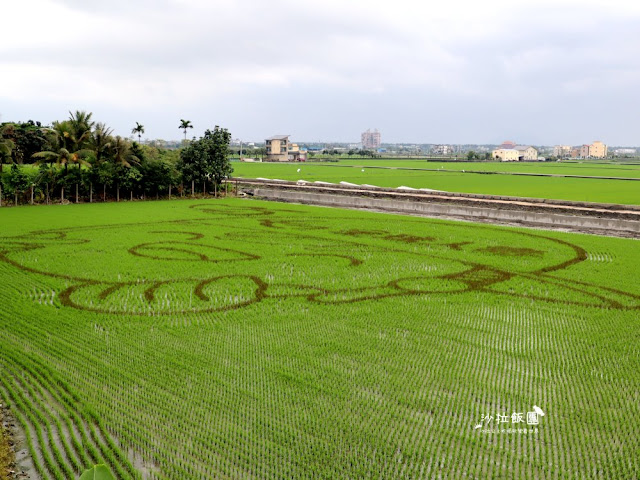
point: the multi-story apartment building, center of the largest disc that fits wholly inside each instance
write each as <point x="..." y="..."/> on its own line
<point x="279" y="149"/>
<point x="562" y="151"/>
<point x="597" y="150"/>
<point x="371" y="140"/>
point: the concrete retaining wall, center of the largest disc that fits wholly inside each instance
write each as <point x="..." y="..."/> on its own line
<point x="360" y="190"/>
<point x="548" y="220"/>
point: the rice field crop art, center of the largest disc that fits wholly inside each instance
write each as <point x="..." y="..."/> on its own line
<point x="245" y="339"/>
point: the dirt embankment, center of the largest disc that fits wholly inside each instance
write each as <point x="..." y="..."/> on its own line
<point x="15" y="462"/>
<point x="7" y="457"/>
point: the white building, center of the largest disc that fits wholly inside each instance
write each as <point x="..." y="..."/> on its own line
<point x="520" y="153"/>
<point x="505" y="154"/>
<point x="526" y="153"/>
<point x="625" y="151"/>
<point x="442" y="150"/>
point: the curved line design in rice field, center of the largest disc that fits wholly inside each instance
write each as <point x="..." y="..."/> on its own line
<point x="185" y="244"/>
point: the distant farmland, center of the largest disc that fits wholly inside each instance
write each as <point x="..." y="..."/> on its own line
<point x="246" y="339"/>
<point x="562" y="188"/>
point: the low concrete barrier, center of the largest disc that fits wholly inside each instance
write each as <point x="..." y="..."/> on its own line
<point x="503" y="214"/>
<point x="370" y="190"/>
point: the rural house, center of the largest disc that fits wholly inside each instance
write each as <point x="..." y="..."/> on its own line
<point x="519" y="153"/>
<point x="280" y="150"/>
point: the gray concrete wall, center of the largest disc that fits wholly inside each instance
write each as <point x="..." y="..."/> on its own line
<point x="578" y="222"/>
<point x="401" y="193"/>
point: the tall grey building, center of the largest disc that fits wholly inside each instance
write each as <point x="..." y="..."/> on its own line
<point x="371" y="140"/>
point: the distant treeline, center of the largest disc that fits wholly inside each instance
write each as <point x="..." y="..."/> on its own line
<point x="82" y="160"/>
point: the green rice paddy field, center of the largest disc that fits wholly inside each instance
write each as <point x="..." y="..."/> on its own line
<point x="199" y="339"/>
<point x="395" y="173"/>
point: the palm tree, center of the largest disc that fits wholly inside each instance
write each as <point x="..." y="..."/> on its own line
<point x="122" y="154"/>
<point x="184" y="124"/>
<point x="70" y="135"/>
<point x="123" y="157"/>
<point x="60" y="156"/>
<point x="67" y="148"/>
<point x="101" y="141"/>
<point x="81" y="125"/>
<point x="138" y="130"/>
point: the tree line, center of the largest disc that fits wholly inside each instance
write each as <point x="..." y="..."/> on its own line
<point x="79" y="159"/>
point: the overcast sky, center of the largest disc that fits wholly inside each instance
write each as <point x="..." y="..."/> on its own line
<point x="454" y="71"/>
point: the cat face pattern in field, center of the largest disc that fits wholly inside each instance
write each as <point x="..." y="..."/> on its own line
<point x="223" y="257"/>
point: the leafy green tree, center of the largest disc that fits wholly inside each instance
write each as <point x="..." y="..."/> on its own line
<point x="6" y="147"/>
<point x="47" y="179"/>
<point x="26" y="138"/>
<point x="138" y="130"/>
<point x="128" y="178"/>
<point x="77" y="178"/>
<point x="194" y="163"/>
<point x="103" y="173"/>
<point x="206" y="159"/>
<point x="158" y="176"/>
<point x="16" y="182"/>
<point x="184" y="125"/>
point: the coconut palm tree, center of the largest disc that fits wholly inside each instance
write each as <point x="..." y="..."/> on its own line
<point x="67" y="150"/>
<point x="138" y="130"/>
<point x="81" y="125"/>
<point x="184" y="125"/>
<point x="100" y="144"/>
<point x="60" y="156"/>
<point x="100" y="141"/>
<point x="122" y="156"/>
<point x="121" y="153"/>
